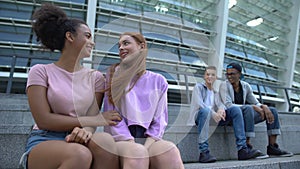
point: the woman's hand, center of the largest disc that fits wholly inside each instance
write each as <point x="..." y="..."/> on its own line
<point x="110" y="118"/>
<point x="79" y="135"/>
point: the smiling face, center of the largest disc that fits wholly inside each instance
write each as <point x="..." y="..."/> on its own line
<point x="83" y="41"/>
<point x="233" y="75"/>
<point x="128" y="45"/>
<point x="210" y="77"/>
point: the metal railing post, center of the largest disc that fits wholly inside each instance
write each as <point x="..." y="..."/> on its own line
<point x="259" y="93"/>
<point x="187" y="89"/>
<point x="11" y="75"/>
<point x="288" y="99"/>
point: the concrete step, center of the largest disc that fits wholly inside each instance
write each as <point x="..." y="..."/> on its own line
<point x="16" y="122"/>
<point x="16" y="117"/>
<point x="222" y="141"/>
<point x="13" y="140"/>
<point x="269" y="163"/>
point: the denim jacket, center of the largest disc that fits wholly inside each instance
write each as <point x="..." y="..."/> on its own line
<point x="227" y="94"/>
<point x="197" y="102"/>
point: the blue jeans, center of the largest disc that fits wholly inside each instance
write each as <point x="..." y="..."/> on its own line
<point x="251" y="117"/>
<point x="36" y="137"/>
<point x="233" y="115"/>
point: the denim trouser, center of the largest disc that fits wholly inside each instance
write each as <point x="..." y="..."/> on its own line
<point x="251" y="117"/>
<point x="36" y="137"/>
<point x="233" y="115"/>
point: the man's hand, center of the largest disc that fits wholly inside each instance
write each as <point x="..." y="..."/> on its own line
<point x="219" y="115"/>
<point x="268" y="114"/>
<point x="260" y="111"/>
<point x="110" y="118"/>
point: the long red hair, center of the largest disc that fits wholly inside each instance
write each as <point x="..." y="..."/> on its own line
<point x="125" y="77"/>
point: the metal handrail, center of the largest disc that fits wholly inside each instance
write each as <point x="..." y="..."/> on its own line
<point x="185" y="83"/>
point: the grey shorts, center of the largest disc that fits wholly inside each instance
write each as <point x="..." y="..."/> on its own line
<point x="36" y="137"/>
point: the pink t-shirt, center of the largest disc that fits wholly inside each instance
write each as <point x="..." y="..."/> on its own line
<point x="68" y="93"/>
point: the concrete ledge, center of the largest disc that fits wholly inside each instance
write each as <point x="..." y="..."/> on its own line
<point x="269" y="163"/>
<point x="16" y="122"/>
<point x="13" y="141"/>
<point x="222" y="141"/>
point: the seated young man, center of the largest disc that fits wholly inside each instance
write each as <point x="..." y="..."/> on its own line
<point x="206" y="104"/>
<point x="239" y="93"/>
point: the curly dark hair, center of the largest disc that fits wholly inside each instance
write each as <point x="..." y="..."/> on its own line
<point x="50" y="23"/>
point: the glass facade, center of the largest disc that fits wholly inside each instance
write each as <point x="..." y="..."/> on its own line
<point x="181" y="36"/>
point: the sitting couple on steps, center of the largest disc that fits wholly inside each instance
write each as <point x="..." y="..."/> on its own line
<point x="228" y="107"/>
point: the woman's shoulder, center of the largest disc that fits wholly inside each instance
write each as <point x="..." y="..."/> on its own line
<point x="40" y="67"/>
<point x="38" y="71"/>
<point x="96" y="74"/>
<point x="154" y="75"/>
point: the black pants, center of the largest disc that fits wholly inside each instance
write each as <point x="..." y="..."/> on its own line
<point x="138" y="132"/>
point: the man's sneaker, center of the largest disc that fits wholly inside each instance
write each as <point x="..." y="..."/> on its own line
<point x="247" y="153"/>
<point x="205" y="157"/>
<point x="274" y="150"/>
<point x="260" y="154"/>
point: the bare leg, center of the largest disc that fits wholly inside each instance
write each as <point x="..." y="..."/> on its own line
<point x="104" y="150"/>
<point x="59" y="154"/>
<point x="165" y="155"/>
<point x="272" y="139"/>
<point x="133" y="155"/>
<point x="248" y="140"/>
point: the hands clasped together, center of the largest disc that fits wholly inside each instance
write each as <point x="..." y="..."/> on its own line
<point x="219" y="115"/>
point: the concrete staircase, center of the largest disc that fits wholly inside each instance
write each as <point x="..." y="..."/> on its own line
<point x="16" y="122"/>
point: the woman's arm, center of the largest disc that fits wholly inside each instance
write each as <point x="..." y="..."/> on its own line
<point x="160" y="119"/>
<point x="45" y="119"/>
<point x="94" y="109"/>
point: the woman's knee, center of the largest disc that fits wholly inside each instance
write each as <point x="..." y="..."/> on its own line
<point x="58" y="153"/>
<point x="102" y="137"/>
<point x="165" y="153"/>
<point x="131" y="150"/>
<point x="162" y="147"/>
<point x="102" y="141"/>
<point x="132" y="155"/>
<point x="79" y="153"/>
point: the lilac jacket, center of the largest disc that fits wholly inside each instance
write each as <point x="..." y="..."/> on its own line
<point x="145" y="105"/>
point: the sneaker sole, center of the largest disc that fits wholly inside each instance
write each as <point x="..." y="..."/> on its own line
<point x="284" y="155"/>
<point x="208" y="161"/>
<point x="262" y="157"/>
